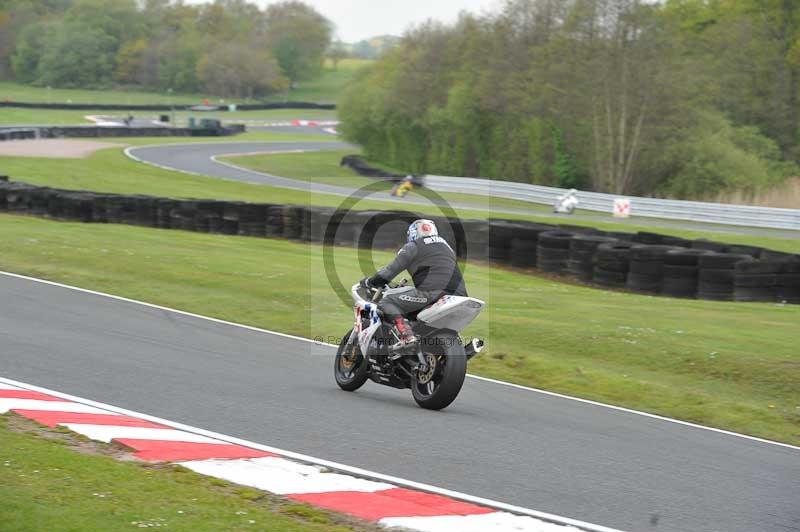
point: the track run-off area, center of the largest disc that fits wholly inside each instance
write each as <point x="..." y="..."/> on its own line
<point x="603" y="465"/>
<point x="202" y="159"/>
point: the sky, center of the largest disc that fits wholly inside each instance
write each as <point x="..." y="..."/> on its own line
<point x="360" y="19"/>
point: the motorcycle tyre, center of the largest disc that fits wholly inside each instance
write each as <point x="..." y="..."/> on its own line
<point x="455" y="372"/>
<point x="360" y="375"/>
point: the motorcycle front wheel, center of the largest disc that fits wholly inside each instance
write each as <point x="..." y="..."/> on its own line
<point x="436" y="388"/>
<point x="349" y="368"/>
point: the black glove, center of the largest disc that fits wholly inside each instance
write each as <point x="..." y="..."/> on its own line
<point x="376" y="281"/>
<point x="365" y="284"/>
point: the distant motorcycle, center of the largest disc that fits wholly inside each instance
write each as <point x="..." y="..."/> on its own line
<point x="566" y="203"/>
<point x="401" y="189"/>
<point x="434" y="368"/>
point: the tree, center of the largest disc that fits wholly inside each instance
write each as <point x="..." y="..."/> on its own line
<point x="298" y="37"/>
<point x="336" y="53"/>
<point x="78" y="56"/>
<point x="238" y="70"/>
<point x="29" y="51"/>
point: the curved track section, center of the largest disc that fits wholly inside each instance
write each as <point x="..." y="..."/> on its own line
<point x="536" y="450"/>
<point x="201" y="159"/>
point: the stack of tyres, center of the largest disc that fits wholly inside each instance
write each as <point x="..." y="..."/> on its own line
<point x="274" y="226"/>
<point x="553" y="251"/>
<point x="18" y="197"/>
<point x="183" y="214"/>
<point x="253" y="219"/>
<point x="55" y="203"/>
<point x="611" y="264"/>
<point x="650" y="239"/>
<point x="524" y="251"/>
<point x="316" y="224"/>
<point x="3" y="188"/>
<point x="715" y="275"/>
<point x="164" y="208"/>
<point x="344" y="228"/>
<point x="146" y="211"/>
<point x="769" y="254"/>
<point x="622" y="236"/>
<point x="582" y="249"/>
<point x="676" y="242"/>
<point x="40" y="201"/>
<point x="709" y="245"/>
<point x="577" y="229"/>
<point x="231" y="211"/>
<point x="680" y="272"/>
<point x="99" y="205"/>
<point x="757" y="280"/>
<point x="128" y="214"/>
<point x="476" y="243"/>
<point x="76" y="206"/>
<point x="753" y="251"/>
<point x="115" y="208"/>
<point x="208" y="216"/>
<point x="501" y="233"/>
<point x="365" y="226"/>
<point x="293" y="219"/>
<point x="789" y="281"/>
<point x="647" y="268"/>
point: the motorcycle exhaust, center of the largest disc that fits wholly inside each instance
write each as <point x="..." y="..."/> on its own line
<point x="474" y="347"/>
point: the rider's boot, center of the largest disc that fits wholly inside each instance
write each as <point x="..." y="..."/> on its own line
<point x="404" y="331"/>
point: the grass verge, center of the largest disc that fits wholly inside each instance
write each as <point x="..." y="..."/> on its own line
<point x="728" y="365"/>
<point x="25" y="116"/>
<point x="111" y="171"/>
<point x="54" y="480"/>
<point x="324" y="89"/>
<point x="323" y="167"/>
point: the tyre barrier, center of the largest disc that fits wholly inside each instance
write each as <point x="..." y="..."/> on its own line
<point x="362" y="168"/>
<point x="582" y="251"/>
<point x="553" y="251"/>
<point x="121" y="131"/>
<point x="611" y="264"/>
<point x="646" y="271"/>
<point x="161" y="107"/>
<point x="698" y="269"/>
<point x="715" y="275"/>
<point x="681" y="272"/>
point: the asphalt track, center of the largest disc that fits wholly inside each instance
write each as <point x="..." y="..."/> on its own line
<point x="552" y="454"/>
<point x="200" y="159"/>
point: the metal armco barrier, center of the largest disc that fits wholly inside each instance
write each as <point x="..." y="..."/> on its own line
<point x="695" y="211"/>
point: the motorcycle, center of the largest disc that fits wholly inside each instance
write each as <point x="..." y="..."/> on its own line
<point x="433" y="368"/>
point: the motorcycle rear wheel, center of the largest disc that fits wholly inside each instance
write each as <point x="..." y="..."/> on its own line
<point x="441" y="389"/>
<point x="349" y="369"/>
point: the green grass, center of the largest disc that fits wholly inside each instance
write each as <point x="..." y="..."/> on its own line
<point x="328" y="87"/>
<point x="730" y="365"/>
<point x="325" y="89"/>
<point x="111" y="171"/>
<point x="20" y="116"/>
<point x="312" y="167"/>
<point x="27" y="93"/>
<point x="323" y="167"/>
<point x="46" y="485"/>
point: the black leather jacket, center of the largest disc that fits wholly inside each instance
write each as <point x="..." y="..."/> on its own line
<point x="432" y="264"/>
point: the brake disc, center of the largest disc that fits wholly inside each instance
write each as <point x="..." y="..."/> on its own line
<point x="348" y="360"/>
<point x="425" y="377"/>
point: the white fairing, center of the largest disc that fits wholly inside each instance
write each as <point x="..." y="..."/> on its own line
<point x="452" y="312"/>
<point x="365" y="336"/>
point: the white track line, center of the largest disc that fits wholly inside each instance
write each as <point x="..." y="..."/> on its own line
<point x="476" y="377"/>
<point x="370" y="475"/>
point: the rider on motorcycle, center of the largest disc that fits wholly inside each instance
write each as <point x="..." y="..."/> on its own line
<point x="433" y="267"/>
